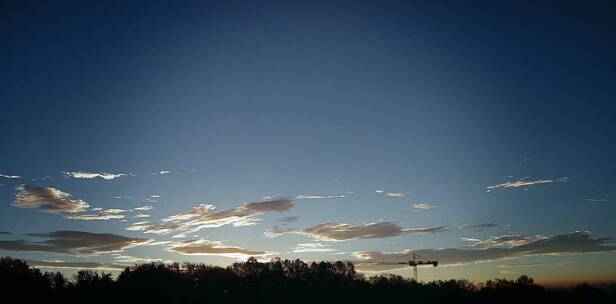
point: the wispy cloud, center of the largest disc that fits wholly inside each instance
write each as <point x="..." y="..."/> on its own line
<point x="344" y="232"/>
<point x="312" y="247"/>
<point x="154" y="198"/>
<point x="92" y="175"/>
<point x="161" y="172"/>
<point x="525" y="182"/>
<point x="106" y="214"/>
<point x="75" y="243"/>
<point x="596" y="200"/>
<point x="47" y="199"/>
<point x="204" y="216"/>
<point x="134" y="259"/>
<point x="424" y="206"/>
<point x="516" y="265"/>
<point x="307" y="197"/>
<point x="122" y="197"/>
<point x="141" y="215"/>
<point x="505" y="241"/>
<point x="213" y="248"/>
<point x="497" y="248"/>
<point x="10" y="176"/>
<point x="287" y="219"/>
<point x="144" y="208"/>
<point x="75" y="265"/>
<point x="395" y="194"/>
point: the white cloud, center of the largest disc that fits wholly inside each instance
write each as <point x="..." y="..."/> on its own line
<point x="91" y="175"/>
<point x="395" y="194"/>
<point x="161" y="172"/>
<point x="524" y="182"/>
<point x="10" y="176"/>
<point x="312" y="247"/>
<point x="204" y="216"/>
<point x="141" y="215"/>
<point x="122" y="197"/>
<point x="144" y="208"/>
<point x="154" y="198"/>
<point x="306" y="197"/>
<point x="423" y="206"/>
<point x="74" y="265"/>
<point x="107" y="214"/>
<point x="134" y="259"/>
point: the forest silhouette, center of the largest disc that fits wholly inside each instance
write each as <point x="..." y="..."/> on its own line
<point x="276" y="281"/>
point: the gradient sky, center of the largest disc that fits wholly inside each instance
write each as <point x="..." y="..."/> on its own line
<point x="478" y="134"/>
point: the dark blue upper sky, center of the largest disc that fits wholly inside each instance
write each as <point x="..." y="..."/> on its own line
<point x="243" y="100"/>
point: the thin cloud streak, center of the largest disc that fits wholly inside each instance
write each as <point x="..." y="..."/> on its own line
<point x="78" y="243"/>
<point x="107" y="214"/>
<point x="213" y="248"/>
<point x="307" y="197"/>
<point x="596" y="200"/>
<point x="10" y="176"/>
<point x="75" y="265"/>
<point x="93" y="175"/>
<point x="395" y="194"/>
<point x="478" y="227"/>
<point x="344" y="231"/>
<point x="424" y="206"/>
<point x="524" y="182"/>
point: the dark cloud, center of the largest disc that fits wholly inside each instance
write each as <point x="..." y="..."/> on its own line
<point x="478" y="227"/>
<point x="52" y="200"/>
<point x="516" y="265"/>
<point x="202" y="247"/>
<point x="75" y="265"/>
<point x="343" y="231"/>
<point x="5" y="232"/>
<point x="47" y="199"/>
<point x="268" y="206"/>
<point x="505" y="247"/>
<point x="74" y="243"/>
<point x="288" y="219"/>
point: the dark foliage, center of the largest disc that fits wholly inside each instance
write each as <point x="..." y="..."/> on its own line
<point x="277" y="281"/>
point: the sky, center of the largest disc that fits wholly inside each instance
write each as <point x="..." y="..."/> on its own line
<point x="478" y="134"/>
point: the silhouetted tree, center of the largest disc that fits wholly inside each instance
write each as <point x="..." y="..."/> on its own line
<point x="276" y="281"/>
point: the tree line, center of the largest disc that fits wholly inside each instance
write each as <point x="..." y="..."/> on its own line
<point x="276" y="281"/>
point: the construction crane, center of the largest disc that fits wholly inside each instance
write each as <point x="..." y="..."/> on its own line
<point x="416" y="261"/>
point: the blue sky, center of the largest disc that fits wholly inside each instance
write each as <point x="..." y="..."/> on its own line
<point x="431" y="103"/>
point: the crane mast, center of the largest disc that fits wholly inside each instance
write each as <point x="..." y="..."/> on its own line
<point x="414" y="262"/>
